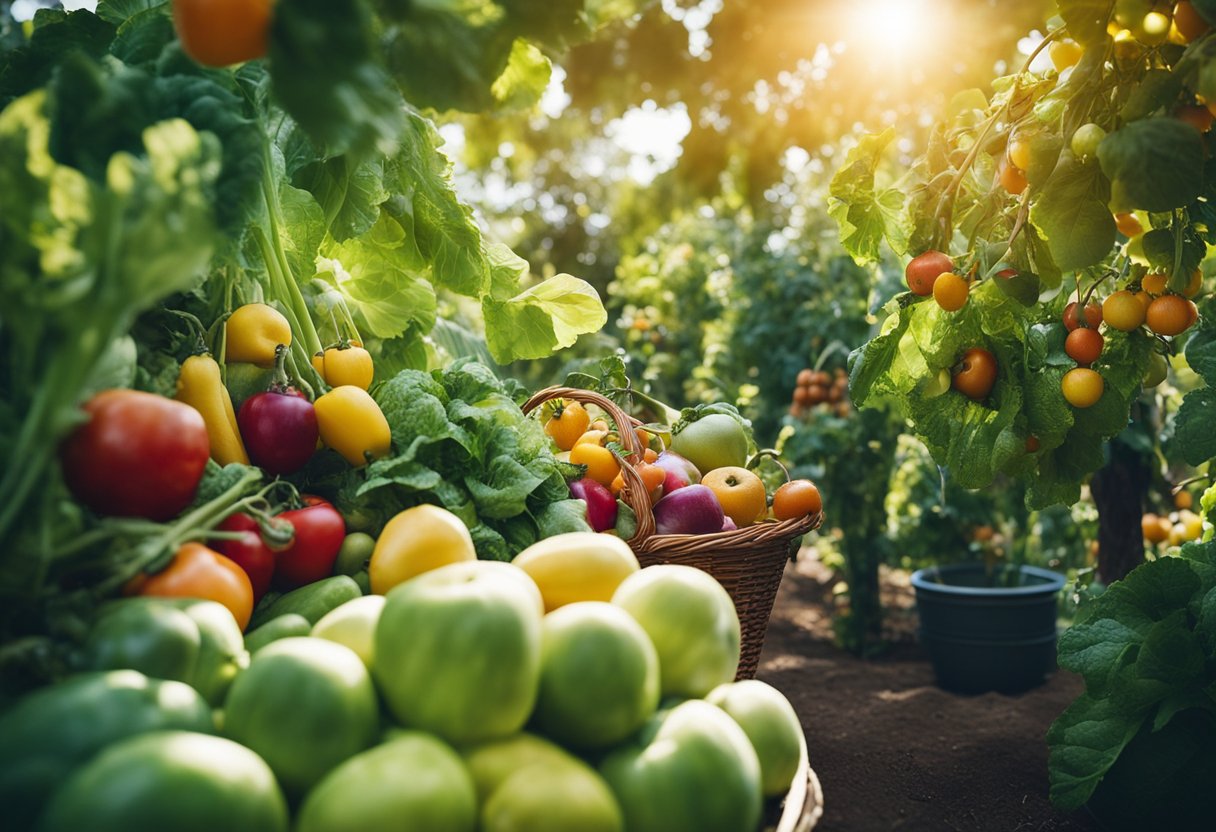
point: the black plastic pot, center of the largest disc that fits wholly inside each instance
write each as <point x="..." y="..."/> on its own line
<point x="982" y="637"/>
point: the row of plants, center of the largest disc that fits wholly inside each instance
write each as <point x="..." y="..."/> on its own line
<point x="1054" y="234"/>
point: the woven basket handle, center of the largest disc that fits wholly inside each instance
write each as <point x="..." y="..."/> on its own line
<point x="634" y="493"/>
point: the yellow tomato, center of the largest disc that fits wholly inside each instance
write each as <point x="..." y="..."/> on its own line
<point x="340" y="366"/>
<point x="579" y="566"/>
<point x="740" y="492"/>
<point x="591" y="437"/>
<point x="601" y="464"/>
<point x="252" y="333"/>
<point x="418" y="540"/>
<point x="351" y="423"/>
<point x="567" y="425"/>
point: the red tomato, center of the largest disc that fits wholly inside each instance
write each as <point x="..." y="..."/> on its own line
<point x="222" y="32"/>
<point x="1093" y="316"/>
<point x="249" y="551"/>
<point x="923" y="270"/>
<point x="199" y="572"/>
<point x="139" y="455"/>
<point x="320" y="531"/>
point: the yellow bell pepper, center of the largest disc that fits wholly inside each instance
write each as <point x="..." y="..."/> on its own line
<point x="200" y="386"/>
<point x="253" y="331"/>
<point x="345" y="364"/>
<point x="352" y="424"/>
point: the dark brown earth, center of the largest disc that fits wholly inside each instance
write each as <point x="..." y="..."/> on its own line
<point x="893" y="751"/>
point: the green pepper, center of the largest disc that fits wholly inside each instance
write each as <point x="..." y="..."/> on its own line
<point x="51" y="732"/>
<point x="188" y="640"/>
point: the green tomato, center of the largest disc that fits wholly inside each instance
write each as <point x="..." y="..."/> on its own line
<point x="714" y="441"/>
<point x="354" y="625"/>
<point x="53" y="731"/>
<point x="1086" y="139"/>
<point x="413" y="781"/>
<point x="457" y="650"/>
<point x="305" y="705"/>
<point x="175" y="780"/>
<point x="553" y="796"/>
<point x="355" y="553"/>
<point x="691" y="769"/>
<point x="692" y="622"/>
<point x="771" y="724"/>
<point x="599" y="675"/>
<point x="1157" y="370"/>
<point x="193" y="641"/>
<point x="491" y="763"/>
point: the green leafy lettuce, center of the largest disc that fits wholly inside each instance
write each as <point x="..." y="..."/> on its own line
<point x="462" y="442"/>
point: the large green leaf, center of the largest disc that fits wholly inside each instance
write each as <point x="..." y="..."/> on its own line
<point x="1072" y="215"/>
<point x="539" y="320"/>
<point x="865" y="214"/>
<point x="1154" y="164"/>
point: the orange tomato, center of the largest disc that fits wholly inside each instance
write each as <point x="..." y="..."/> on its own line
<point x="1188" y="22"/>
<point x="601" y="464"/>
<point x="1183" y="499"/>
<point x="1155" y="529"/>
<point x="222" y="32"/>
<point x="1128" y="224"/>
<point x="740" y="492"/>
<point x="1084" y="345"/>
<point x="650" y="455"/>
<point x="199" y="572"/>
<point x="1155" y="284"/>
<point x="567" y="424"/>
<point x="1194" y="285"/>
<point x="796" y="498"/>
<point x="950" y="291"/>
<point x="1170" y="315"/>
<point x="1011" y="178"/>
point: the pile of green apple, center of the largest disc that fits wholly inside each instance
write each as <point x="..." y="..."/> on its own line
<point x="569" y="690"/>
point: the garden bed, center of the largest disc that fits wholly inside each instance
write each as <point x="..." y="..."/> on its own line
<point x="892" y="750"/>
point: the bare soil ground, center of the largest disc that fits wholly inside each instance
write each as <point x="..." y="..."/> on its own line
<point x="891" y="749"/>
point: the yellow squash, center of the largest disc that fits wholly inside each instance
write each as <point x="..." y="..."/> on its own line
<point x="200" y="386"/>
<point x="351" y="423"/>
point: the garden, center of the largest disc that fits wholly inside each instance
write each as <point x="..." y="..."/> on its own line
<point x="607" y="415"/>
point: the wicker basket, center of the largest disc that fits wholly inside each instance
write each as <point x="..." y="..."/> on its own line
<point x="748" y="562"/>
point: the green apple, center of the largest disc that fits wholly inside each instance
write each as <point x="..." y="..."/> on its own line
<point x="713" y="441"/>
<point x="553" y="796"/>
<point x="769" y="721"/>
<point x="414" y="781"/>
<point x="691" y="769"/>
<point x="457" y="650"/>
<point x="599" y="675"/>
<point x="692" y="622"/>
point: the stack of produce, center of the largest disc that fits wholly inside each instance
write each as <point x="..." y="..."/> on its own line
<point x="713" y="439"/>
<point x="559" y="692"/>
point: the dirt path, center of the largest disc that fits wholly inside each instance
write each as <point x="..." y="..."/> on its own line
<point x="891" y="749"/>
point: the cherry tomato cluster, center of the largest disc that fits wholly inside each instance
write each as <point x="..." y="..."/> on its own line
<point x="1150" y="303"/>
<point x="821" y="391"/>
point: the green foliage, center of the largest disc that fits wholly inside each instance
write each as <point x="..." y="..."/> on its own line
<point x="724" y="308"/>
<point x="463" y="443"/>
<point x="1145" y="648"/>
